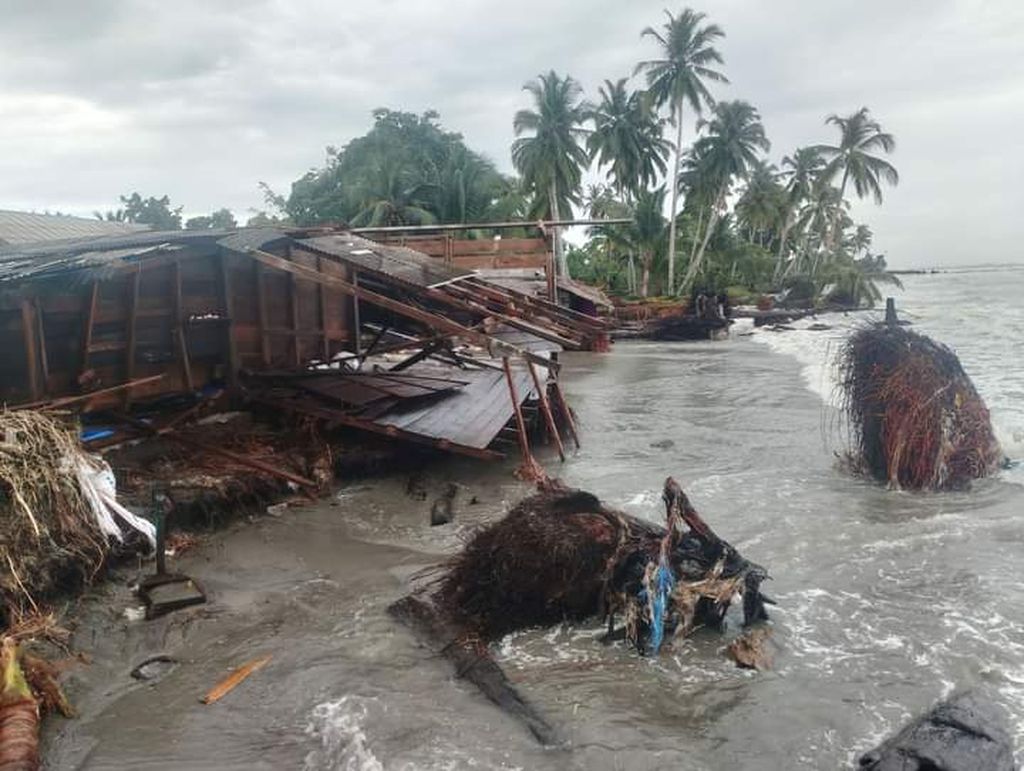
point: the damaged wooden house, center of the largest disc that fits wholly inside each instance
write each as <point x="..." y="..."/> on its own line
<point x="144" y="333"/>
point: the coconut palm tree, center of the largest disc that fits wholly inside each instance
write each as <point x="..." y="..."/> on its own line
<point x="391" y="192"/>
<point x="728" y="151"/>
<point x="646" y="234"/>
<point x="551" y="159"/>
<point x="801" y="171"/>
<point x="678" y="78"/>
<point x="760" y="208"/>
<point x="859" y="136"/>
<point x="627" y="138"/>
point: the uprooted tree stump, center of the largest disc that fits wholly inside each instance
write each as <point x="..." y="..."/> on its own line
<point x="562" y="555"/>
<point x="915" y="418"/>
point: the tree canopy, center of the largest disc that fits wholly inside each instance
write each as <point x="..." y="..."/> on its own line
<point x="407" y="170"/>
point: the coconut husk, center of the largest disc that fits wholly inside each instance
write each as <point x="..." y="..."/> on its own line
<point x="914" y="417"/>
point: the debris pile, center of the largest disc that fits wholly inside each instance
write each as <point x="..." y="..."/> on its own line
<point x="915" y="418"/>
<point x="563" y="555"/>
<point x="58" y="511"/>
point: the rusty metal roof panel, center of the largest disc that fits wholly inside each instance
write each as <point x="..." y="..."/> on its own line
<point x="395" y="262"/>
<point x="472" y="416"/>
<point x="525" y="340"/>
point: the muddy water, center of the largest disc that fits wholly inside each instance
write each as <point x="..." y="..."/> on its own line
<point x="887" y="601"/>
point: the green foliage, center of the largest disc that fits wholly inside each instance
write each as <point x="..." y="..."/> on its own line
<point x="549" y="149"/>
<point x="627" y="138"/>
<point x="155" y="212"/>
<point x="221" y="219"/>
<point x="407" y="170"/>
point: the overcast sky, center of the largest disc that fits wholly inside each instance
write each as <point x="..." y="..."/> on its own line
<point x="201" y="99"/>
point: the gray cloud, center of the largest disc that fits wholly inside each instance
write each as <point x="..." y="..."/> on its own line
<point x="201" y="100"/>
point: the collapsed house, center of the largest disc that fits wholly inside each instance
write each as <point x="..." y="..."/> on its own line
<point x="322" y="324"/>
<point x="519" y="263"/>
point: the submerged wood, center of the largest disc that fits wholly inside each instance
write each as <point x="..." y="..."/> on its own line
<point x="562" y="555"/>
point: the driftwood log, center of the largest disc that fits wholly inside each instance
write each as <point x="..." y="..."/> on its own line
<point x="562" y="555"/>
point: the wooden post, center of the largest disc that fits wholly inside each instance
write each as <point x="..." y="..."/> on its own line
<point x="293" y="301"/>
<point x="564" y="407"/>
<point x="524" y="442"/>
<point x="355" y="311"/>
<point x="43" y="358"/>
<point x="179" y="328"/>
<point x="90" y="321"/>
<point x="549" y="274"/>
<point x="545" y="407"/>
<point x="891" y="319"/>
<point x="228" y="303"/>
<point x="261" y="314"/>
<point x="325" y="344"/>
<point x="28" y="330"/>
<point x="129" y="351"/>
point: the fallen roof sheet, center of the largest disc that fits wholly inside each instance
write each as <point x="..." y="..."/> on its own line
<point x="472" y="416"/>
<point x="525" y="340"/>
<point x="395" y="262"/>
<point x="532" y="282"/>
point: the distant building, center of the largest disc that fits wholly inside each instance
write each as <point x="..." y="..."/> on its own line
<point x="18" y="227"/>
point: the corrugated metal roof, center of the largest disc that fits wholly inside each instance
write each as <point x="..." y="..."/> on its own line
<point x="530" y="281"/>
<point x="52" y="257"/>
<point x="17" y="227"/>
<point x="472" y="416"/>
<point x="396" y="262"/>
<point x="18" y="269"/>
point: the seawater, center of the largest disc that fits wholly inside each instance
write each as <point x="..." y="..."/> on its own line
<point x="978" y="312"/>
<point x="887" y="601"/>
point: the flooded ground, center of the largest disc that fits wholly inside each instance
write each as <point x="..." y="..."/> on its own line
<point x="887" y="601"/>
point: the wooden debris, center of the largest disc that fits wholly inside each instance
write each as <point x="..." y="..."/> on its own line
<point x="750" y="649"/>
<point x="232" y="681"/>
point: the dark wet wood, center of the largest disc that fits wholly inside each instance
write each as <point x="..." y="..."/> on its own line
<point x="473" y="662"/>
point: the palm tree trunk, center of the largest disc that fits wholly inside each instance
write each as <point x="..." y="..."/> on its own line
<point x="834" y="231"/>
<point x="696" y="236"/>
<point x="695" y="263"/>
<point x="786" y="225"/>
<point x="645" y="280"/>
<point x="674" y="207"/>
<point x="556" y="234"/>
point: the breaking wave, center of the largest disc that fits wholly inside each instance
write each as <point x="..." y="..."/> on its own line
<point x="338" y="727"/>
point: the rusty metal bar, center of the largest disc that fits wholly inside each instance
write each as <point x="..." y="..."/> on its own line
<point x="564" y="407"/>
<point x="545" y="408"/>
<point x="493" y="225"/>
<point x="524" y="442"/>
